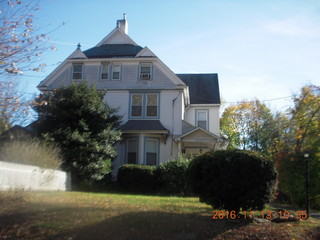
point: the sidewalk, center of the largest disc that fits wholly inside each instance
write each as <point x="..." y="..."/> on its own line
<point x="313" y="213"/>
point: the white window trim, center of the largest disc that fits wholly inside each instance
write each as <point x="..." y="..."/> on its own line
<point x="142" y="76"/>
<point x="101" y="71"/>
<point x="112" y="71"/>
<point x="73" y="72"/>
<point x="144" y="105"/>
<point x="207" y="117"/>
<point x="127" y="148"/>
<point x="145" y="150"/>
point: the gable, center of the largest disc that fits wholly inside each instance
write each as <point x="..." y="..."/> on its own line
<point x="145" y="52"/>
<point x="203" y="88"/>
<point x="77" y="54"/>
<point x="117" y="36"/>
<point x="199" y="135"/>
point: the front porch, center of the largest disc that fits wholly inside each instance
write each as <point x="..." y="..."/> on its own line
<point x="196" y="141"/>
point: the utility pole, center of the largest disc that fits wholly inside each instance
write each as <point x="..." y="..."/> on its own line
<point x="306" y="156"/>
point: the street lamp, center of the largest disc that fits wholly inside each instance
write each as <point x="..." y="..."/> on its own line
<point x="306" y="155"/>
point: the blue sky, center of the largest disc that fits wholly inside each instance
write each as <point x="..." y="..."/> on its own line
<point x="264" y="49"/>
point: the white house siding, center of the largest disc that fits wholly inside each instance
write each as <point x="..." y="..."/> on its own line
<point x="91" y="73"/>
<point x="119" y="99"/>
<point x="213" y="115"/>
<point x="62" y="79"/>
<point x="170" y="114"/>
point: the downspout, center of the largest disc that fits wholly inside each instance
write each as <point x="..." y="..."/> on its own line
<point x="173" y="101"/>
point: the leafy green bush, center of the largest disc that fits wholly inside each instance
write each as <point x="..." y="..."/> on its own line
<point x="32" y="152"/>
<point x="232" y="179"/>
<point x="172" y="175"/>
<point x="138" y="178"/>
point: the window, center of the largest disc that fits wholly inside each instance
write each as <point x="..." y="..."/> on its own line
<point x="136" y="105"/>
<point x="144" y="105"/>
<point x="77" y="71"/>
<point x="105" y="71"/>
<point x="132" y="151"/>
<point x="151" y="151"/>
<point x="116" y="72"/>
<point x="145" y="71"/>
<point x="202" y="119"/>
<point x="152" y="105"/>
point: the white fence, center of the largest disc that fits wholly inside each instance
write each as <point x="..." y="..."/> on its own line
<point x="26" y="177"/>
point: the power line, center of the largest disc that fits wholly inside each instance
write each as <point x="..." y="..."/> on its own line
<point x="265" y="100"/>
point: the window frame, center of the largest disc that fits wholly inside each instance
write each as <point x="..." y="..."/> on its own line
<point x="146" y="150"/>
<point x="145" y="105"/>
<point x="141" y="65"/>
<point x="137" y="149"/>
<point x="113" y="71"/>
<point x="131" y="102"/>
<point x="77" y="72"/>
<point x="107" y="72"/>
<point x="206" y="111"/>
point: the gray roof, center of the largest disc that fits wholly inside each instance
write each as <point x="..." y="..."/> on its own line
<point x="143" y="125"/>
<point x="203" y="88"/>
<point x="113" y="50"/>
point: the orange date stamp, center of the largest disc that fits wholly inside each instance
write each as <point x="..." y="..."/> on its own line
<point x="262" y="214"/>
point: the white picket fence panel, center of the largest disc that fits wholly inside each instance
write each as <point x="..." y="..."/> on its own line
<point x="15" y="176"/>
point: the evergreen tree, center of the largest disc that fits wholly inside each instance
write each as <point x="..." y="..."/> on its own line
<point x="77" y="119"/>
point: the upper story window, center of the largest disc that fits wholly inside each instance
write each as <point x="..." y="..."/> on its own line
<point x="116" y="70"/>
<point x="105" y="71"/>
<point x="136" y="105"/>
<point x="145" y="71"/>
<point x="77" y="71"/>
<point x="202" y="119"/>
<point x="144" y="105"/>
<point x="152" y="105"/>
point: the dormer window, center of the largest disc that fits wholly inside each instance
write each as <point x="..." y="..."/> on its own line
<point x="116" y="69"/>
<point x="77" y="71"/>
<point x="105" y="71"/>
<point x="145" y="71"/>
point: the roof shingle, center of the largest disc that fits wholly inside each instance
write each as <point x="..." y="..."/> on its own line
<point x="141" y="125"/>
<point x="203" y="88"/>
<point x="113" y="50"/>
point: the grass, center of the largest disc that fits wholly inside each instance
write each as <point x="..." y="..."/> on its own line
<point x="75" y="215"/>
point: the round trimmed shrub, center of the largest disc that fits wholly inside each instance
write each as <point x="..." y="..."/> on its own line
<point x="172" y="175"/>
<point x="232" y="179"/>
<point x="138" y="178"/>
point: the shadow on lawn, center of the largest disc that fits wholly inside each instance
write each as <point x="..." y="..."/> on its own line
<point x="156" y="225"/>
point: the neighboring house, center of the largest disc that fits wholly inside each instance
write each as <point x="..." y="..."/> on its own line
<point x="164" y="113"/>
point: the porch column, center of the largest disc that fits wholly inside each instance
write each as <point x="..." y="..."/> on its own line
<point x="179" y="147"/>
<point x="141" y="149"/>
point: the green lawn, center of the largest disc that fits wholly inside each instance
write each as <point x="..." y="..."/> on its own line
<point x="75" y="215"/>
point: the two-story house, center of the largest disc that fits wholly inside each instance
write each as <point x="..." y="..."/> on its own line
<point x="163" y="113"/>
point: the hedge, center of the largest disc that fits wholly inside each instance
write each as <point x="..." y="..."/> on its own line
<point x="232" y="179"/>
<point x="138" y="178"/>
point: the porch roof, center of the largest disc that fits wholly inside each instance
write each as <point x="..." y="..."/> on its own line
<point x="203" y="132"/>
<point x="143" y="125"/>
